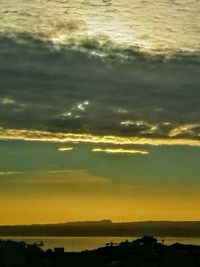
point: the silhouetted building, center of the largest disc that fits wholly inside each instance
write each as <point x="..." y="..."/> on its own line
<point x="59" y="250"/>
<point x="143" y="252"/>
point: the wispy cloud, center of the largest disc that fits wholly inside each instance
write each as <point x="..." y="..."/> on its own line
<point x="43" y="136"/>
<point x="65" y="149"/>
<point x="9" y="173"/>
<point x="141" y="126"/>
<point x="120" y="151"/>
<point x="192" y="130"/>
<point x="55" y="177"/>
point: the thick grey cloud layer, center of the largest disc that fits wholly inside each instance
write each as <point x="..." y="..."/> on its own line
<point x="67" y="90"/>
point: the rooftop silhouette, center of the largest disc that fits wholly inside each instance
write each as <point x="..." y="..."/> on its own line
<point x="143" y="252"/>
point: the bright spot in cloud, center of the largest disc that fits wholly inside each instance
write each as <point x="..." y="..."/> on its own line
<point x="82" y="106"/>
<point x="76" y="110"/>
<point x="121" y="111"/>
<point x="7" y="101"/>
<point x="135" y="123"/>
<point x="68" y="114"/>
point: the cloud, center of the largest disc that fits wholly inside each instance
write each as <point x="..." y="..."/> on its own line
<point x="9" y="173"/>
<point x="43" y="136"/>
<point x="59" y="178"/>
<point x="188" y="130"/>
<point x="64" y="91"/>
<point x="7" y="101"/>
<point x="141" y="126"/>
<point x="120" y="151"/>
<point x="64" y="149"/>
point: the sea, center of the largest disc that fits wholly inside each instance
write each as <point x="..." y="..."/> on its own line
<point x="77" y="244"/>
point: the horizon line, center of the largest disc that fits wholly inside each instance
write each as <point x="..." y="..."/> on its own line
<point x="101" y="221"/>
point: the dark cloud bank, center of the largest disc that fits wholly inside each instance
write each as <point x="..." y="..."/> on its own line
<point x="74" y="90"/>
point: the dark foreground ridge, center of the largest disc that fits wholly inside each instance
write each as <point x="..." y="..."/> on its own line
<point x="107" y="228"/>
<point x="144" y="252"/>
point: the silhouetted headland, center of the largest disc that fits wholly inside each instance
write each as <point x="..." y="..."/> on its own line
<point x="107" y="228"/>
<point x="143" y="252"/>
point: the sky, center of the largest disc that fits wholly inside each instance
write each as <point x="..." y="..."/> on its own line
<point x="99" y="111"/>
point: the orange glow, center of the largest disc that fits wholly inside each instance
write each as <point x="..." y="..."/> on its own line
<point x="74" y="196"/>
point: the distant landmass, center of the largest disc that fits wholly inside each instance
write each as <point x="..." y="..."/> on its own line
<point x="106" y="228"/>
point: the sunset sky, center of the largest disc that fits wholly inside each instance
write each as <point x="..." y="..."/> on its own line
<point x="99" y="111"/>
